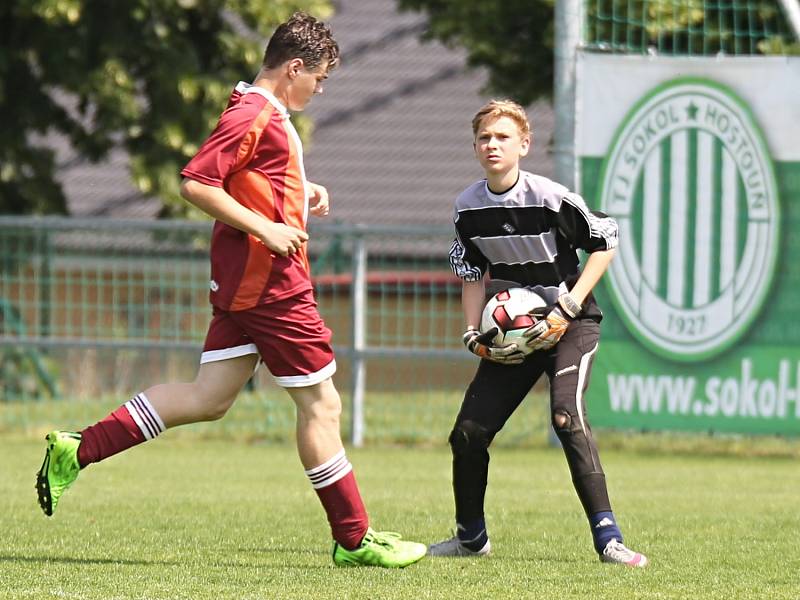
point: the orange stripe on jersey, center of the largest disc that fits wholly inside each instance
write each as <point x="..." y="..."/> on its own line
<point x="253" y="191"/>
<point x="258" y="267"/>
<point x="247" y="149"/>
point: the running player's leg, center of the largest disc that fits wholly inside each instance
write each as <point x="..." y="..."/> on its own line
<point x="493" y="395"/>
<point x="227" y="362"/>
<point x="322" y="454"/>
<point x="223" y="372"/>
<point x="295" y="346"/>
<point x="569" y="381"/>
<point x="208" y="397"/>
<point x="160" y="407"/>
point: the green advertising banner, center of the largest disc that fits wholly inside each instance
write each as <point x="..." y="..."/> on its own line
<point x="698" y="160"/>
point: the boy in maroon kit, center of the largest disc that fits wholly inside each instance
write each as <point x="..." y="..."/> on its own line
<point x="249" y="176"/>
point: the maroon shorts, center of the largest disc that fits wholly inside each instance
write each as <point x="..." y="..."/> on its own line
<point x="289" y="335"/>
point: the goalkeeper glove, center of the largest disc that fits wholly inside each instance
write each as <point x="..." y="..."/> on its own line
<point x="552" y="322"/>
<point x="480" y="345"/>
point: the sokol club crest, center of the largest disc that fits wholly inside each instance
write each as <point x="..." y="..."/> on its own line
<point x="690" y="181"/>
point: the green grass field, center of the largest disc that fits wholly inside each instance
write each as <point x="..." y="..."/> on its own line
<point x="194" y="518"/>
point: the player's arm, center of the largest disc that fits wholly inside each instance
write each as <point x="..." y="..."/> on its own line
<point x="593" y="232"/>
<point x="473" y="296"/>
<point x="596" y="265"/>
<point x="216" y="202"/>
<point x="555" y="319"/>
<point x="469" y="265"/>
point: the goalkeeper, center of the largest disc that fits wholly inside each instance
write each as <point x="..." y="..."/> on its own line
<point x="249" y="176"/>
<point x="524" y="230"/>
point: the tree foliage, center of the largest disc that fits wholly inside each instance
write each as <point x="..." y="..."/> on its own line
<point x="151" y="76"/>
<point x="513" y="39"/>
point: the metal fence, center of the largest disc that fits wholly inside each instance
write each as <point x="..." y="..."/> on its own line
<point x="96" y="309"/>
<point x="692" y="27"/>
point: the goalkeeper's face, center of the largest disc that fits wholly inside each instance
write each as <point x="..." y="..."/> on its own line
<point x="499" y="145"/>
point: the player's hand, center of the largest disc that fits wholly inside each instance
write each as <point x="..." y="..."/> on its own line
<point x="551" y="324"/>
<point x="283" y="239"/>
<point x="318" y="200"/>
<point x="480" y="344"/>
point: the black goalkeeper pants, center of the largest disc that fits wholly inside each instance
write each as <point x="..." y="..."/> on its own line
<point x="496" y="392"/>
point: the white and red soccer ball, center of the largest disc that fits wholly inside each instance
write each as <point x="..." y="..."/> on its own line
<point x="509" y="311"/>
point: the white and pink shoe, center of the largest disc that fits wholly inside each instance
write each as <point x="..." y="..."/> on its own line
<point x="616" y="552"/>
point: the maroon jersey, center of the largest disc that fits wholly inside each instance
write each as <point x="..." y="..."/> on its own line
<point x="255" y="155"/>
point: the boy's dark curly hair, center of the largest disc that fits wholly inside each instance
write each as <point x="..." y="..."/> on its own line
<point x="303" y="37"/>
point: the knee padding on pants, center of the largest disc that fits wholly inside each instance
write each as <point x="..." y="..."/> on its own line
<point x="563" y="422"/>
<point x="469" y="436"/>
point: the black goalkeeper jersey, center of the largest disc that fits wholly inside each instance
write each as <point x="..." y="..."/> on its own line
<point x="528" y="237"/>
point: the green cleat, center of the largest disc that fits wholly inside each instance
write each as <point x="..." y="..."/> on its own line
<point x="380" y="549"/>
<point x="59" y="469"/>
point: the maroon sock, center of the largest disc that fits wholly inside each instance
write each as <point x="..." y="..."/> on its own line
<point x="132" y="423"/>
<point x="337" y="489"/>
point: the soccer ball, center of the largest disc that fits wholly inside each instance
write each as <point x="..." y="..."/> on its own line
<point x="508" y="311"/>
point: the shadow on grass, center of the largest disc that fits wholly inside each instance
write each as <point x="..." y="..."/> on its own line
<point x="87" y="561"/>
<point x="163" y="563"/>
<point x="286" y="550"/>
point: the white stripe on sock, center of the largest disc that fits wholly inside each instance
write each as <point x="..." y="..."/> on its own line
<point x="330" y="471"/>
<point x="161" y="427"/>
<point x="145" y="416"/>
<point x="336" y="457"/>
<point x="322" y="474"/>
<point x="138" y="420"/>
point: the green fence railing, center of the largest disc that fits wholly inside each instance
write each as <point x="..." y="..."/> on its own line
<point x="95" y="310"/>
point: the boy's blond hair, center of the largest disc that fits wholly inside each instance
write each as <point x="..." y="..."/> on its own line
<point x="502" y="108"/>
